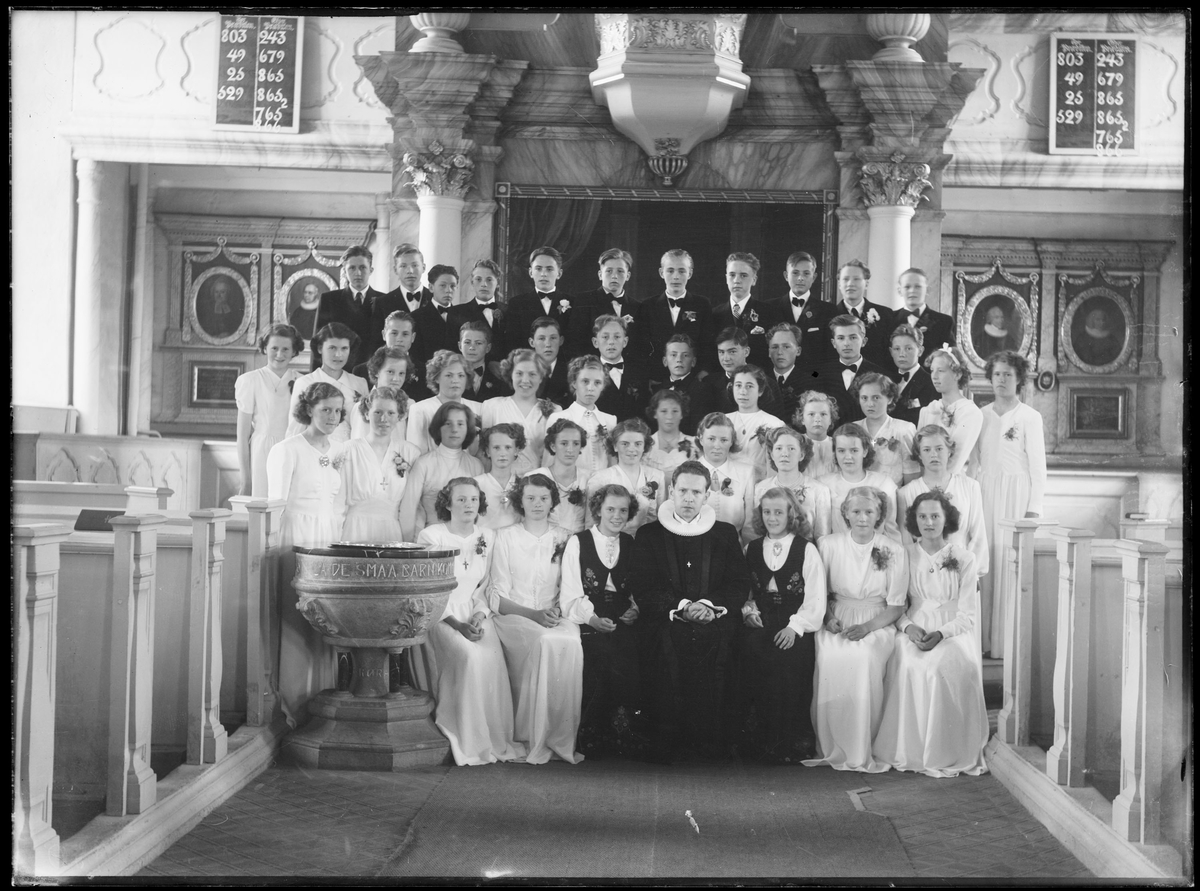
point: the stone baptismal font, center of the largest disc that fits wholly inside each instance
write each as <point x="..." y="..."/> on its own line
<point x="373" y="600"/>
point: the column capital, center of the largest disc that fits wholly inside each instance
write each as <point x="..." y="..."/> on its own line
<point x="439" y="171"/>
<point x="893" y="181"/>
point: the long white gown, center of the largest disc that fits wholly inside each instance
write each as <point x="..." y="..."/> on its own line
<point x="500" y="512"/>
<point x="504" y="410"/>
<point x="373" y="489"/>
<point x="469" y="678"/>
<point x="545" y="665"/>
<point x="734" y="503"/>
<point x="430" y="473"/>
<point x="312" y="519"/>
<point x="264" y="396"/>
<point x="1012" y="479"/>
<point x="351" y="386"/>
<point x="666" y="461"/>
<point x="750" y="450"/>
<point x="822" y="461"/>
<point x="934" y="718"/>
<point x="839" y="487"/>
<point x="572" y="517"/>
<point x="848" y="686"/>
<point x="895" y="462"/>
<point x="649" y="481"/>
<point x="816" y="503"/>
<point x="595" y="454"/>
<point x="964" y="494"/>
<point x="964" y="420"/>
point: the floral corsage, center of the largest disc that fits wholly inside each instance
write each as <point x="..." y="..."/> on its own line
<point x="650" y="490"/>
<point x="402" y="466"/>
<point x="891" y="444"/>
<point x="881" y="559"/>
<point x="480" y="544"/>
<point x="575" y="496"/>
<point x="872" y="316"/>
<point x="689" y="316"/>
<point x="564" y="305"/>
<point x="627" y="319"/>
<point x="546" y="407"/>
<point x="601" y="432"/>
<point x="1011" y="434"/>
<point x="727" y="486"/>
<point x="947" y="417"/>
<point x="559" y="548"/>
<point x="684" y="446"/>
<point x="950" y="563"/>
<point x="761" y="434"/>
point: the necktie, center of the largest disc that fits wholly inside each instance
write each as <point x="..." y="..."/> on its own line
<point x="737" y="311"/>
<point x="358" y="297"/>
<point x="782" y="380"/>
<point x="856" y="313"/>
<point x="609" y="366"/>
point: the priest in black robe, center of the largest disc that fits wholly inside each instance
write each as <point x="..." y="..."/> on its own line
<point x="690" y="582"/>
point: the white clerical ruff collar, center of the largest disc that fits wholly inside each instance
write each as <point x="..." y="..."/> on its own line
<point x="702" y="523"/>
<point x="993" y="331"/>
<point x="1097" y="332"/>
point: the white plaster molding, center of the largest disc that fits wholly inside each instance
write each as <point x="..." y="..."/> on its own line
<point x="1167" y="82"/>
<point x="203" y="79"/>
<point x="362" y="87"/>
<point x="335" y="87"/>
<point x="988" y="83"/>
<point x="1023" y="87"/>
<point x="1025" y="164"/>
<point x="126" y="61"/>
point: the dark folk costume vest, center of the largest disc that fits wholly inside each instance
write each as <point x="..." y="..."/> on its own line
<point x="777" y="606"/>
<point x="608" y="604"/>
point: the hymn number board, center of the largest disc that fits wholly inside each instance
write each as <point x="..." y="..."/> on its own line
<point x="258" y="72"/>
<point x="1093" y="94"/>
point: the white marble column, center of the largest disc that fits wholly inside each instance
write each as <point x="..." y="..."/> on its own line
<point x="440" y="234"/>
<point x="99" y="291"/>
<point x="890" y="251"/>
<point x="381" y="276"/>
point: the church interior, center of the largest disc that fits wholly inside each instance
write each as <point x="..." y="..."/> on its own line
<point x="180" y="228"/>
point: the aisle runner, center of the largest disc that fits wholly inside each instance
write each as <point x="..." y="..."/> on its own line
<point x="629" y="820"/>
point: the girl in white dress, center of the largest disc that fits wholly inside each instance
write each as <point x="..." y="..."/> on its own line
<point x="868" y="579"/>
<point x="387" y="367"/>
<point x="790" y="453"/>
<point x="816" y="415"/>
<point x="466" y="663"/>
<point x="669" y="446"/>
<point x="263" y="397"/>
<point x="565" y="441"/>
<point x="452" y="430"/>
<point x="934" y="449"/>
<point x="731" y="487"/>
<point x="934" y="718"/>
<point x="854" y="451"/>
<point x="501" y="444"/>
<point x="541" y="648"/>
<point x="1012" y="477"/>
<point x="628" y="441"/>
<point x="955" y="410"/>
<point x="892" y="438"/>
<point x="446" y="376"/>
<point x="375" y="470"/>
<point x="302" y="470"/>
<point x="524" y="370"/>
<point x="751" y="423"/>
<point x="586" y="377"/>
<point x="331" y="347"/>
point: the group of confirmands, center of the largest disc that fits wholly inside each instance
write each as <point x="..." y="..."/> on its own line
<point x="759" y="526"/>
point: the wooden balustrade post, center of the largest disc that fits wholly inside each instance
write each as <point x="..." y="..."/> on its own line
<point x="262" y="562"/>
<point x="1136" y="809"/>
<point x="132" y="786"/>
<point x="146" y="499"/>
<point x="1012" y="724"/>
<point x="207" y="741"/>
<point x="1066" y="757"/>
<point x="35" y="622"/>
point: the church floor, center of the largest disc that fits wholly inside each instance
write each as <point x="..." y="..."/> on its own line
<point x="619" y="819"/>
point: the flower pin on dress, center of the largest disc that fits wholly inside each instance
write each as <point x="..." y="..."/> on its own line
<point x="947" y="417"/>
<point x="559" y="548"/>
<point x="402" y="465"/>
<point x="575" y="495"/>
<point x="882" y="443"/>
<point x="881" y="558"/>
<point x="546" y="407"/>
<point x="650" y="489"/>
<point x="1011" y="434"/>
<point x="726" y="486"/>
<point x="949" y="563"/>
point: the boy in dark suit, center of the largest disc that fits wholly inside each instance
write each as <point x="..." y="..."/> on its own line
<point x="545" y="337"/>
<point x="679" y="358"/>
<point x="611" y="298"/>
<point x="545" y="268"/>
<point x="409" y="265"/>
<point x="835" y="378"/>
<point x="807" y="311"/>
<point x="743" y="310"/>
<point x="916" y="387"/>
<point x="358" y="307"/>
<point x="853" y="280"/>
<point x="474" y="341"/>
<point x="484" y="307"/>
<point x="435" y="331"/>
<point x="626" y="392"/>
<point x="675" y="311"/>
<point x="783" y="344"/>
<point x="936" y="328"/>
<point x="733" y="351"/>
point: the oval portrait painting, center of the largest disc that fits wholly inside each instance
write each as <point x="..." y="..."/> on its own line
<point x="220" y="306"/>
<point x="996" y="325"/>
<point x="1098" y="330"/>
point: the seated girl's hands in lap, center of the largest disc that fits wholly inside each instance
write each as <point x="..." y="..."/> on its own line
<point x="785" y="638"/>
<point x="602" y="624"/>
<point x="930" y="640"/>
<point x="832" y="625"/>
<point x="856" y="632"/>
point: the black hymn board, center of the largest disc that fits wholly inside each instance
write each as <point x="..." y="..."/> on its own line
<point x="1093" y="94"/>
<point x="258" y="72"/>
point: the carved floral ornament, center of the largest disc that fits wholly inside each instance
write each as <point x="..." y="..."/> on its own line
<point x="619" y="32"/>
<point x="894" y="181"/>
<point x="439" y="172"/>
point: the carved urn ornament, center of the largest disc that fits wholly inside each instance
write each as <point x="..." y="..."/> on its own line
<point x="669" y="80"/>
<point x="897" y="31"/>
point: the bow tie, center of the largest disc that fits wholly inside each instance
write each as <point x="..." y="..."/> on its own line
<point x="852" y="367"/>
<point x="906" y="377"/>
<point x="414" y="297"/>
<point x="609" y="366"/>
<point x="675" y="302"/>
<point x="491" y="304"/>
<point x="798" y="302"/>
